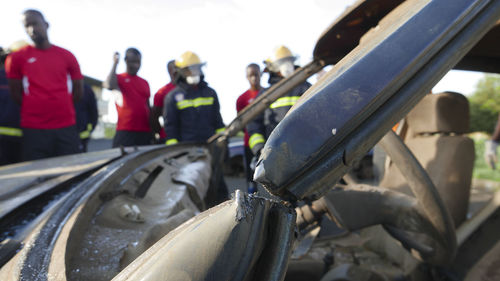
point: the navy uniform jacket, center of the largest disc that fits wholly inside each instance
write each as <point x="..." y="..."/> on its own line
<point x="191" y="113"/>
<point x="86" y="113"/>
<point x="261" y="127"/>
<point x="9" y="110"/>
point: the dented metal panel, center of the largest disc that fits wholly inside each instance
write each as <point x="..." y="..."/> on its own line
<point x="247" y="238"/>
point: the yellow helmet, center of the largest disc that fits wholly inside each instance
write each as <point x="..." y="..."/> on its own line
<point x="17" y="45"/>
<point x="281" y="53"/>
<point x="188" y="59"/>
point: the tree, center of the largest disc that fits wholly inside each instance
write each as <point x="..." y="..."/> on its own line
<point x="485" y="104"/>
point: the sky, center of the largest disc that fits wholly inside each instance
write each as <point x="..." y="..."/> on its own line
<point x="226" y="34"/>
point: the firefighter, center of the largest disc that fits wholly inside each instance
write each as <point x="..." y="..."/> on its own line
<point x="192" y="113"/>
<point x="280" y="65"/>
<point x="10" y="131"/>
<point x="86" y="116"/>
<point x="191" y="110"/>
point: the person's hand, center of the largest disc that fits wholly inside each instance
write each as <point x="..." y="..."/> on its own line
<point x="490" y="153"/>
<point x="116" y="58"/>
<point x="255" y="159"/>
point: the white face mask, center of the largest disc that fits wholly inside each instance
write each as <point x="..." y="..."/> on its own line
<point x="286" y="69"/>
<point x="193" y="80"/>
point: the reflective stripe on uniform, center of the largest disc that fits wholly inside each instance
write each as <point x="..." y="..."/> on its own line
<point x="255" y="139"/>
<point x="171" y="141"/>
<point x="13" y="132"/>
<point x="195" y="102"/>
<point x="220" y="130"/>
<point x="86" y="134"/>
<point x="284" y="101"/>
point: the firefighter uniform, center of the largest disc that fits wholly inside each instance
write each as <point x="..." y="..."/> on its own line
<point x="192" y="113"/>
<point x="10" y="131"/>
<point x="262" y="126"/>
<point x="86" y="116"/>
<point x="280" y="65"/>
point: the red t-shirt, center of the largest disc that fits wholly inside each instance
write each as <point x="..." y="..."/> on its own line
<point x="133" y="114"/>
<point x="158" y="100"/>
<point x="47" y="85"/>
<point x="245" y="99"/>
<point x="159" y="97"/>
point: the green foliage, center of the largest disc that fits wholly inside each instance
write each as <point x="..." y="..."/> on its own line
<point x="485" y="104"/>
<point x="484" y="110"/>
<point x="481" y="169"/>
<point x="481" y="120"/>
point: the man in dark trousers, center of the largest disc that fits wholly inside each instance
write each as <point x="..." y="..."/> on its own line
<point x="132" y="102"/>
<point x="86" y="116"/>
<point x="280" y="65"/>
<point x="253" y="76"/>
<point x="158" y="104"/>
<point x="45" y="80"/>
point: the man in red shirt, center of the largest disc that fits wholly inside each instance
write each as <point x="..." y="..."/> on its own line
<point x="132" y="103"/>
<point x="253" y="77"/>
<point x="45" y="80"/>
<point x="157" y="109"/>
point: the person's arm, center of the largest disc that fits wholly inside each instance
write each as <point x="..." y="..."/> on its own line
<point x="155" y="123"/>
<point x="150" y="110"/>
<point x="157" y="111"/>
<point x="77" y="89"/>
<point x="92" y="106"/>
<point x="75" y="73"/>
<point x="170" y="115"/>
<point x="256" y="130"/>
<point x="16" y="90"/>
<point x="219" y="124"/>
<point x="14" y="78"/>
<point x="490" y="149"/>
<point x="111" y="82"/>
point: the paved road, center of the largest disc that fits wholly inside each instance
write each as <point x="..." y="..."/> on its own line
<point x="99" y="144"/>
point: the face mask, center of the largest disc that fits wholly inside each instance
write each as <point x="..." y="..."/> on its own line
<point x="193" y="80"/>
<point x="286" y="69"/>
